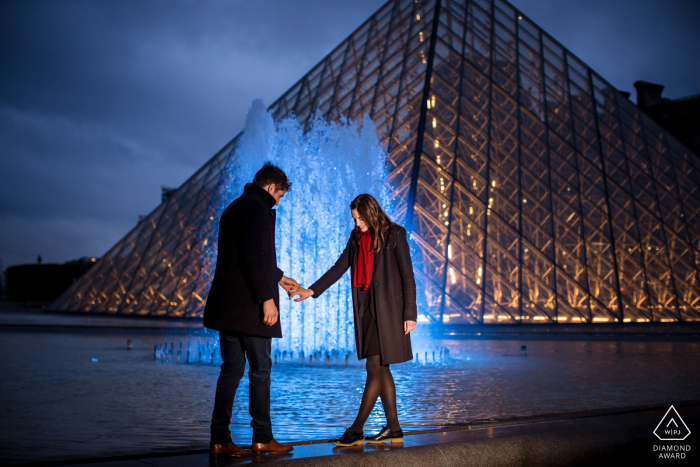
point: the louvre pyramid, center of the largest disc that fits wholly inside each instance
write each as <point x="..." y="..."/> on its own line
<point x="534" y="191"/>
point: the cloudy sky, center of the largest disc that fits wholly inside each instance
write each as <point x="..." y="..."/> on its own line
<point x="103" y="102"/>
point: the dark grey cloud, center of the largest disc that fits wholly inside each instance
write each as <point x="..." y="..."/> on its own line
<point x="102" y="102"/>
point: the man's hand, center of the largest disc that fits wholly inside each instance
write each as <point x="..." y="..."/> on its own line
<point x="302" y="292"/>
<point x="287" y="283"/>
<point x="270" y="312"/>
<point x="408" y="326"/>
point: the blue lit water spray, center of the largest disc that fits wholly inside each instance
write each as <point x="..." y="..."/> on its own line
<point x="328" y="164"/>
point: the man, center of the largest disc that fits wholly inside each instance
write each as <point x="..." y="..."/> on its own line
<point x="242" y="305"/>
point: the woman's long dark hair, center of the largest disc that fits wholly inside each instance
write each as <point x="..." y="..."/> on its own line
<point x="374" y="216"/>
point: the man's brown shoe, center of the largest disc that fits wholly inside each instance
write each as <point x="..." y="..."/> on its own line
<point x="228" y="450"/>
<point x="272" y="446"/>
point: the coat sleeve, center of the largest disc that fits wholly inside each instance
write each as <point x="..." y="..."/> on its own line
<point x="333" y="274"/>
<point x="253" y="235"/>
<point x="408" y="281"/>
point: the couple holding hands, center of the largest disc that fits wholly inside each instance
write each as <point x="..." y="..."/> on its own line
<point x="243" y="306"/>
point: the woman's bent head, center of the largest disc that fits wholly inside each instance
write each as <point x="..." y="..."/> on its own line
<point x="369" y="215"/>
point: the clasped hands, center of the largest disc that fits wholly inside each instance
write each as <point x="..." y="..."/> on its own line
<point x="292" y="287"/>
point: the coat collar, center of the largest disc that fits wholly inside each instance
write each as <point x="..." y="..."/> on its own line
<point x="252" y="188"/>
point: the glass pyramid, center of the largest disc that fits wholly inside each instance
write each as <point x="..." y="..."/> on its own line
<point x="533" y="190"/>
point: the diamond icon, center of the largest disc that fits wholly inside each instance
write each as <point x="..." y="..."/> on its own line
<point x="671" y="427"/>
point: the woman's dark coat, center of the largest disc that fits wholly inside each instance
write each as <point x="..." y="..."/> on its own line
<point x="246" y="272"/>
<point x="392" y="294"/>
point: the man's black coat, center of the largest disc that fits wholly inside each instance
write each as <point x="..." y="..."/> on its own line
<point x="246" y="267"/>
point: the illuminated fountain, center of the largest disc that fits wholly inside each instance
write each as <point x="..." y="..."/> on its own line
<point x="328" y="164"/>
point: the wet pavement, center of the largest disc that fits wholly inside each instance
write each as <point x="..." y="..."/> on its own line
<point x="637" y="448"/>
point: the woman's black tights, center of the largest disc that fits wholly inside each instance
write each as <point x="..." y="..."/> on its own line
<point x="379" y="383"/>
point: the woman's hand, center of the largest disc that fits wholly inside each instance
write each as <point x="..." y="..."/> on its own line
<point x="302" y="292"/>
<point x="408" y="326"/>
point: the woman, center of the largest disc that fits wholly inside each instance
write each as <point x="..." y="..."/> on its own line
<point x="384" y="304"/>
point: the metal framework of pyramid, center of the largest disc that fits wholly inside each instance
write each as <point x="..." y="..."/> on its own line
<point x="534" y="191"/>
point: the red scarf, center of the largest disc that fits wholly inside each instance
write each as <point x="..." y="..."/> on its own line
<point x="362" y="276"/>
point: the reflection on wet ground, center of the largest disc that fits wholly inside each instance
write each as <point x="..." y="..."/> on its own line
<point x="58" y="402"/>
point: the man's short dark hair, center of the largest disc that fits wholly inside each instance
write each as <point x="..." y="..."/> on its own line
<point x="270" y="173"/>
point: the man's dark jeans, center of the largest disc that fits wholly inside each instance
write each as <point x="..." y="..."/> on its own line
<point x="234" y="349"/>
